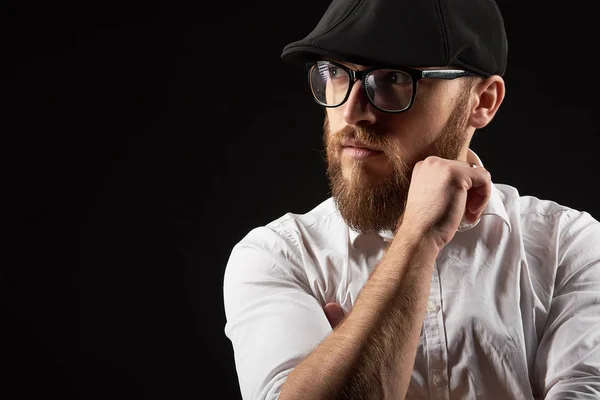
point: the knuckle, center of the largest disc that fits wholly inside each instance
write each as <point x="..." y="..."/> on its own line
<point x="447" y="171"/>
<point x="432" y="160"/>
<point x="458" y="182"/>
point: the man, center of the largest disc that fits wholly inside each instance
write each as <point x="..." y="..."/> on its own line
<point x="419" y="278"/>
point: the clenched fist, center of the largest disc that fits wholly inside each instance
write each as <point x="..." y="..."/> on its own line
<point x="441" y="193"/>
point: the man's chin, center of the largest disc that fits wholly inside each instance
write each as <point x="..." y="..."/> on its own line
<point x="359" y="177"/>
<point x="378" y="168"/>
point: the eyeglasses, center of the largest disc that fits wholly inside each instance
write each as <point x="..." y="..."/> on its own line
<point x="388" y="90"/>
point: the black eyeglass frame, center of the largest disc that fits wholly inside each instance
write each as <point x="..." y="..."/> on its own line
<point x="415" y="75"/>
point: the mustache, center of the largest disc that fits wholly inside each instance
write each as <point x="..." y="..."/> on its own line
<point x="371" y="137"/>
<point x="367" y="135"/>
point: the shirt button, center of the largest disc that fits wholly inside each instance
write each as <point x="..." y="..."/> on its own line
<point x="437" y="379"/>
<point x="432" y="307"/>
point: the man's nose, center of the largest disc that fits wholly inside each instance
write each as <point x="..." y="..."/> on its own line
<point x="358" y="109"/>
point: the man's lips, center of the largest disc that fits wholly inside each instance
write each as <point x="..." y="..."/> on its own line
<point x="359" y="145"/>
<point x="359" y="150"/>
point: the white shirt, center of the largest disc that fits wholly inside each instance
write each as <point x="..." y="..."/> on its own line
<point x="513" y="310"/>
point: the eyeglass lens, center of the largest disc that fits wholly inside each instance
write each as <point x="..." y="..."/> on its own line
<point x="388" y="89"/>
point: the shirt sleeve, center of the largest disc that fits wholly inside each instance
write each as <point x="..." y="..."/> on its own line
<point x="272" y="319"/>
<point x="568" y="358"/>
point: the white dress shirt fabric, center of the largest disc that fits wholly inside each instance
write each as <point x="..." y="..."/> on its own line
<point x="513" y="310"/>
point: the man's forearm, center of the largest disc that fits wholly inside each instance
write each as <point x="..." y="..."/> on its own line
<point x="370" y="355"/>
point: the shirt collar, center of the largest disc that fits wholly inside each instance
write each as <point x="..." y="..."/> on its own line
<point x="495" y="207"/>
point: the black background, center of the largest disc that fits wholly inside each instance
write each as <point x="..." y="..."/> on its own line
<point x="141" y="141"/>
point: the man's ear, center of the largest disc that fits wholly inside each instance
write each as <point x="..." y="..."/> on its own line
<point x="488" y="95"/>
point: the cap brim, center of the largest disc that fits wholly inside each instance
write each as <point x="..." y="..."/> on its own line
<point x="301" y="53"/>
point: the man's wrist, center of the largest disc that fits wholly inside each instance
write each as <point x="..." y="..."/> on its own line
<point x="415" y="240"/>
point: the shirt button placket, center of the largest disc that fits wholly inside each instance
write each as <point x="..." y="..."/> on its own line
<point x="434" y="331"/>
<point x="437" y="378"/>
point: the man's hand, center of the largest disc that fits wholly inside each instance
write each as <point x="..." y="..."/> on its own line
<point x="441" y="193"/>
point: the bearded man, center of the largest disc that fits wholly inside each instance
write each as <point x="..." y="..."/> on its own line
<point x="419" y="277"/>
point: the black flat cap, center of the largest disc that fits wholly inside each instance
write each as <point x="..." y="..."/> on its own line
<point x="469" y="34"/>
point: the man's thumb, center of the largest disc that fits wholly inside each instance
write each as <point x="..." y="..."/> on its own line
<point x="334" y="313"/>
